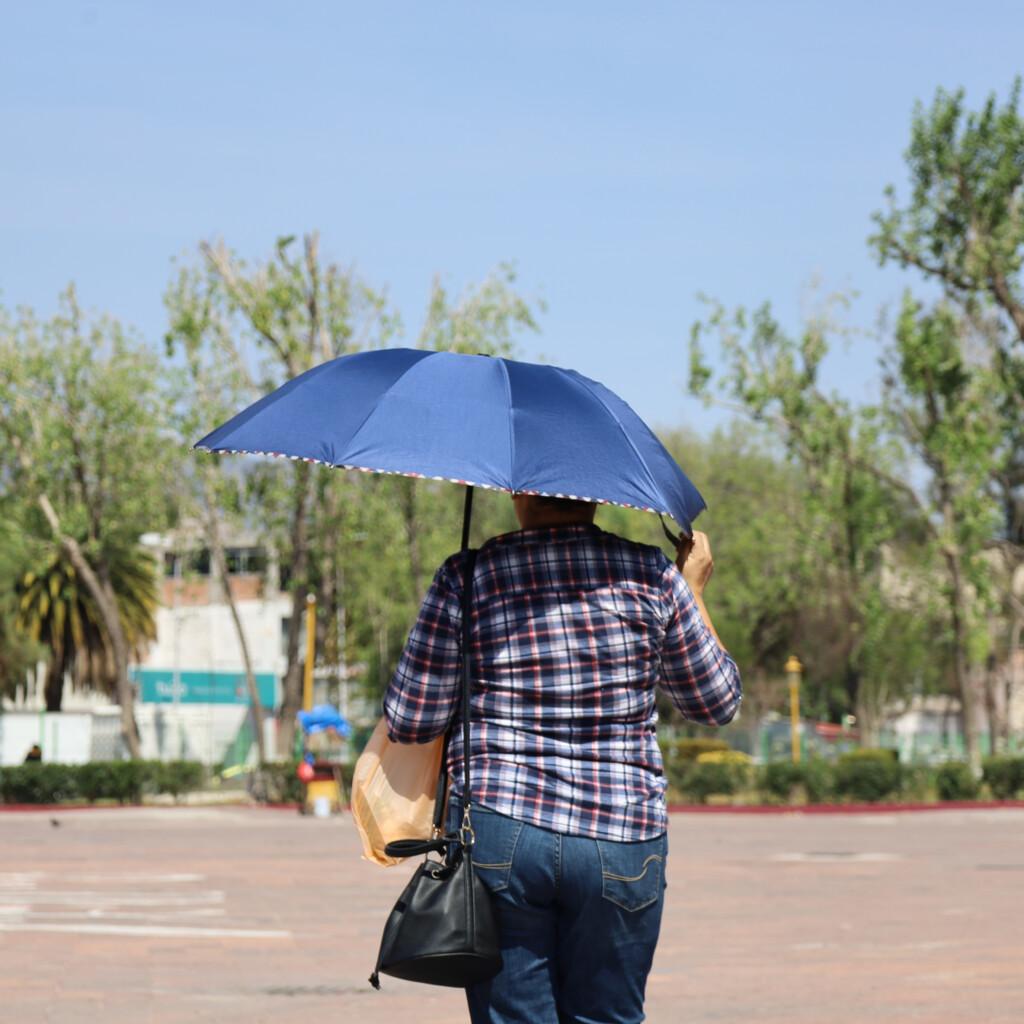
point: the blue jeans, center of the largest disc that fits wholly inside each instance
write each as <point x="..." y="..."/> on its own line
<point x="579" y="920"/>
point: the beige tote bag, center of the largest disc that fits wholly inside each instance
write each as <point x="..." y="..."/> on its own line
<point x="393" y="789"/>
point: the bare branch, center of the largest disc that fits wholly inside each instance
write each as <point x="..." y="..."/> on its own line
<point x="220" y="260"/>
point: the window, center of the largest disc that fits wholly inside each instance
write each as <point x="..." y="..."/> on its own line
<point x="246" y="560"/>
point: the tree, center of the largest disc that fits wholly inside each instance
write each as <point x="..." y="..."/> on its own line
<point x="83" y="424"/>
<point x="962" y="229"/>
<point x="18" y="653"/>
<point x="947" y="411"/>
<point x="58" y="612"/>
<point x="853" y="501"/>
<point x="334" y="532"/>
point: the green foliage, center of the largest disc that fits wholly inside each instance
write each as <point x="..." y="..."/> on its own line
<point x="367" y="546"/>
<point x="56" y="610"/>
<point x="917" y="783"/>
<point x="123" y="781"/>
<point x="1004" y="776"/>
<point x="38" y="784"/>
<point x="690" y="749"/>
<point x="956" y="370"/>
<point x="780" y="780"/>
<point x="818" y="780"/>
<point x="736" y="758"/>
<point x="86" y="463"/>
<point x="280" y="783"/>
<point x="954" y="780"/>
<point x="867" y="775"/>
<point x="700" y="781"/>
<point x="962" y="224"/>
<point x="848" y="506"/>
<point x="786" y="782"/>
<point x="177" y="777"/>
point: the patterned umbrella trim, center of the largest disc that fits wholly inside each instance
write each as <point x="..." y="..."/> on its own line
<point x="424" y="476"/>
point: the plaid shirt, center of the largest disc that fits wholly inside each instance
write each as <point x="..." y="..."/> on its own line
<point x="572" y="630"/>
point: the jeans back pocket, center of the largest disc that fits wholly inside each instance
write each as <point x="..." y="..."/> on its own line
<point x="632" y="873"/>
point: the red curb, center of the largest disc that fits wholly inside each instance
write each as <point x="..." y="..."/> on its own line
<point x="952" y="805"/>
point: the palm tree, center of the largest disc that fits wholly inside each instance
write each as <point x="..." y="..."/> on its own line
<point x="57" y="611"/>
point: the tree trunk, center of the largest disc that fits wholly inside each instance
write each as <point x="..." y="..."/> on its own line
<point x="220" y="560"/>
<point x="106" y="602"/>
<point x="53" y="686"/>
<point x="965" y="684"/>
<point x="869" y="710"/>
<point x="292" y="698"/>
<point x="419" y="585"/>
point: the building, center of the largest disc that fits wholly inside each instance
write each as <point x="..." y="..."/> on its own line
<point x="192" y="701"/>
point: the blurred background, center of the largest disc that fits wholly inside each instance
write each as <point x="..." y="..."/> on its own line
<point x="791" y="236"/>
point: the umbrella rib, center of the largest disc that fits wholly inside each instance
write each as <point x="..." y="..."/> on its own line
<point x="511" y="432"/>
<point x="376" y="405"/>
<point x="625" y="433"/>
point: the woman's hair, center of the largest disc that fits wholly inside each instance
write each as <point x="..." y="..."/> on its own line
<point x="567" y="504"/>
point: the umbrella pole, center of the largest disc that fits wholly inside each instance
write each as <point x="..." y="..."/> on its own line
<point x="467" y="515"/>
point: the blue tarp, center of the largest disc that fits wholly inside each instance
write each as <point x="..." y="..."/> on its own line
<point x="321" y="718"/>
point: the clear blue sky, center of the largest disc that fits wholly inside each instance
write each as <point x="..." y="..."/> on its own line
<point x="625" y="156"/>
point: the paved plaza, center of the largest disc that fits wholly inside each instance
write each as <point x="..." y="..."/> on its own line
<point x="256" y="915"/>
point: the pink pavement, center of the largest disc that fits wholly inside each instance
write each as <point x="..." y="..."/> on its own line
<point x="159" y="915"/>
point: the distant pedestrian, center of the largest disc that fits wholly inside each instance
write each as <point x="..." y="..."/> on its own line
<point x="35" y="754"/>
<point x="573" y="628"/>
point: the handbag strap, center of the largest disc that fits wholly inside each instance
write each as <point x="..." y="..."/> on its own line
<point x="469" y="565"/>
<point x="466" y="830"/>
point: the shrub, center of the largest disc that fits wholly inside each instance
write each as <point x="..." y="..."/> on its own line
<point x="177" y="777"/>
<point x="691" y="749"/>
<point x="868" y="775"/>
<point x="783" y="780"/>
<point x="1004" y="776"/>
<point x="38" y="784"/>
<point x="955" y="781"/>
<point x="733" y="757"/>
<point x="280" y="784"/>
<point x="680" y="755"/>
<point x="124" y="781"/>
<point x="703" y="778"/>
<point x="780" y="779"/>
<point x="917" y="782"/>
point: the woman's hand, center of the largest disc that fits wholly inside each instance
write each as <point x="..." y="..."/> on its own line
<point x="693" y="557"/>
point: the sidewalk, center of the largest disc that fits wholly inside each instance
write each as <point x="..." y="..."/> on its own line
<point x="248" y="915"/>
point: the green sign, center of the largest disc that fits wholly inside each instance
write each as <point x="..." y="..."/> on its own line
<point x="188" y="686"/>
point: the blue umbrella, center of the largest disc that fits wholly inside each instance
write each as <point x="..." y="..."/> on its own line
<point x="473" y="420"/>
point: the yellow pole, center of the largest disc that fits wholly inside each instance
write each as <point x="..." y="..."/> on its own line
<point x="793" y="670"/>
<point x="307" y="680"/>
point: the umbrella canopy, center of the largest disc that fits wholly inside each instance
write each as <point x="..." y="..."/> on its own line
<point x="474" y="420"/>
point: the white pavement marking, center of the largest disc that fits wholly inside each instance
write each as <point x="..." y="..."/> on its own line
<point x="158" y="905"/>
<point x="72" y="898"/>
<point x="19" y="880"/>
<point x="834" y="858"/>
<point x="146" y="931"/>
<point x="134" y="879"/>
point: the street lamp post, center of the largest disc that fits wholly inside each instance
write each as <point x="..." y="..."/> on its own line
<point x="307" y="682"/>
<point x="793" y="671"/>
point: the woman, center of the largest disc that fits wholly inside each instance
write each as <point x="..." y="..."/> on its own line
<point x="573" y="628"/>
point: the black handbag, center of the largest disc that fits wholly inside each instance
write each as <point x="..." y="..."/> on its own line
<point x="442" y="930"/>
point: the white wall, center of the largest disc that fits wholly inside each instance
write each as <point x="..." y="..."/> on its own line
<point x="204" y="636"/>
<point x="65" y="737"/>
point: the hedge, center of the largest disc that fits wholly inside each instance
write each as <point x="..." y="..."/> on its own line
<point x="722" y="772"/>
<point x="867" y="774"/>
<point x="123" y="781"/>
<point x="955" y="781"/>
<point x="1004" y="776"/>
